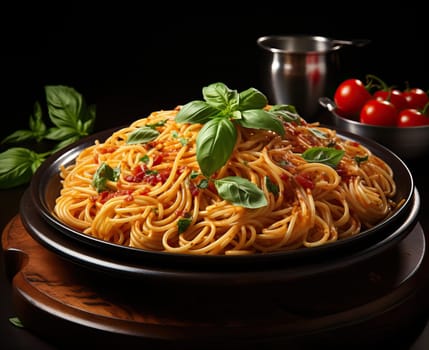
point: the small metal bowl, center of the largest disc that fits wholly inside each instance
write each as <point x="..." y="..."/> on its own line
<point x="409" y="143"/>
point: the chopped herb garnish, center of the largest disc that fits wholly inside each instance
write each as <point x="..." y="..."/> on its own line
<point x="155" y="125"/>
<point x="182" y="140"/>
<point x="271" y="186"/>
<point x="145" y="159"/>
<point x="103" y="174"/>
<point x="16" y="322"/>
<point x="183" y="224"/>
<point x="360" y="159"/>
<point x="204" y="183"/>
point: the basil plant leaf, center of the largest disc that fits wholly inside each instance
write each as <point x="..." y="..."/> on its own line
<point x="325" y="155"/>
<point x="36" y="132"/>
<point x="240" y="191"/>
<point x="261" y="119"/>
<point x="37" y="126"/>
<point x="252" y="99"/>
<point x="221" y="97"/>
<point x="18" y="136"/>
<point x="60" y="134"/>
<point x="142" y="135"/>
<point x="17" y="166"/>
<point x="215" y="143"/>
<point x="65" y="143"/>
<point x="66" y="106"/>
<point x="196" y="112"/>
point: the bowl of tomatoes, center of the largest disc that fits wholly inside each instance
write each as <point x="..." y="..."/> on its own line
<point x="396" y="118"/>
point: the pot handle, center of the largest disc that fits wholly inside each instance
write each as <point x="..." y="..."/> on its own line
<point x="355" y="42"/>
<point x="327" y="103"/>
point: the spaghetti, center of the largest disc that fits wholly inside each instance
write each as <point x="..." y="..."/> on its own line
<point x="153" y="198"/>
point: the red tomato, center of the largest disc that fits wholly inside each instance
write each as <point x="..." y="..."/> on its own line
<point x="379" y="112"/>
<point x="350" y="96"/>
<point x="416" y="98"/>
<point x="395" y="96"/>
<point x="412" y="117"/>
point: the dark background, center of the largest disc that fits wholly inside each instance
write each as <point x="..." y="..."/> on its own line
<point x="132" y="61"/>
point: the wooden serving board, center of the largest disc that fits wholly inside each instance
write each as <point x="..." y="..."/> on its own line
<point x="70" y="304"/>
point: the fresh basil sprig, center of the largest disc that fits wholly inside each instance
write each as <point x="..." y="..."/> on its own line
<point x="71" y="119"/>
<point x="68" y="111"/>
<point x="220" y="111"/>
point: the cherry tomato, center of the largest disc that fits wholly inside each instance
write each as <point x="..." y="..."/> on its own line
<point x="350" y="96"/>
<point x="379" y="112"/>
<point x="395" y="96"/>
<point x="412" y="117"/>
<point x="416" y="98"/>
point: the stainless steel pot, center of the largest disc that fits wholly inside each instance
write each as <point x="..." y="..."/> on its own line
<point x="299" y="69"/>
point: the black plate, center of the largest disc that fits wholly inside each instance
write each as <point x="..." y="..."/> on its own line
<point x="174" y="271"/>
<point x="45" y="188"/>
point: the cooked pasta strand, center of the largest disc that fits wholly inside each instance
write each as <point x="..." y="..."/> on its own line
<point x="157" y="202"/>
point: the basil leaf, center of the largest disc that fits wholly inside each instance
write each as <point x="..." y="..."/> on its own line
<point x="17" y="166"/>
<point x="219" y="96"/>
<point x="318" y="133"/>
<point x="196" y="112"/>
<point x="183" y="224"/>
<point x="260" y="119"/>
<point x="271" y="186"/>
<point x="102" y="175"/>
<point x="16" y="322"/>
<point x="66" y="106"/>
<point x="156" y="124"/>
<point x="361" y="159"/>
<point x="61" y="133"/>
<point x="324" y="155"/>
<point x="87" y="127"/>
<point x="142" y="135"/>
<point x="37" y="128"/>
<point x="65" y="143"/>
<point x="252" y="99"/>
<point x="215" y="143"/>
<point x="18" y="136"/>
<point x="240" y="191"/>
<point x="287" y="112"/>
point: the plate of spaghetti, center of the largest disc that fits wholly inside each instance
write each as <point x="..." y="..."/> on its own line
<point x="225" y="180"/>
